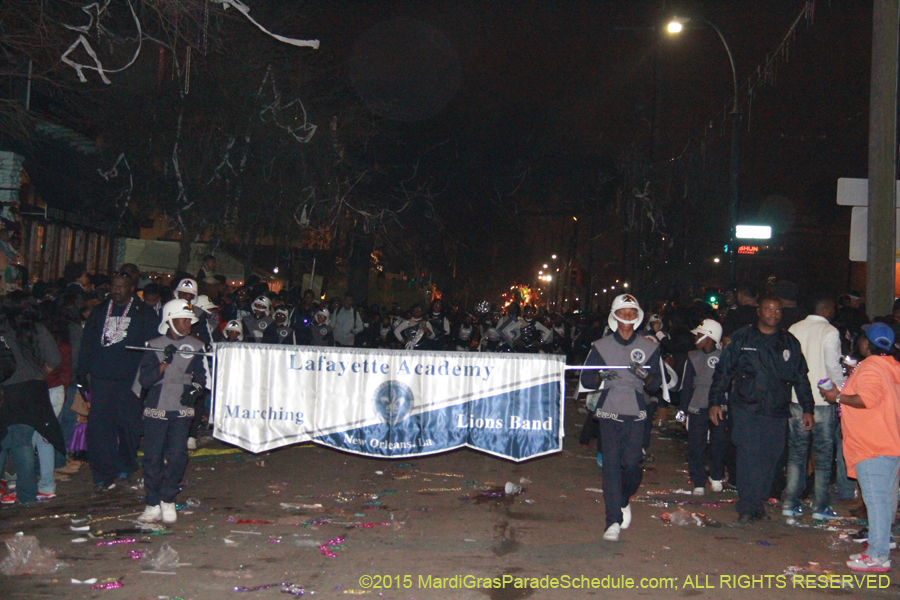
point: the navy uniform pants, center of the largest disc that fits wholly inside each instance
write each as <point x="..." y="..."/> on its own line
<point x="113" y="430"/>
<point x="699" y="428"/>
<point x="165" y="453"/>
<point x="760" y="441"/>
<point x="620" y="444"/>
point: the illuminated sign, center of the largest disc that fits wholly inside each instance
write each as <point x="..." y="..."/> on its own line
<point x="748" y="249"/>
<point x="753" y="232"/>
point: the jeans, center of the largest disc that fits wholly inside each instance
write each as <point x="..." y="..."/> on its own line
<point x="620" y="443"/>
<point x="19" y="444"/>
<point x="878" y="479"/>
<point x="760" y="442"/>
<point x="846" y="487"/>
<point x="165" y="456"/>
<point x="45" y="451"/>
<point x="67" y="422"/>
<point x="798" y="450"/>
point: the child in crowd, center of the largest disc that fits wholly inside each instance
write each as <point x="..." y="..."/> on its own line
<point x="695" y="384"/>
<point x="174" y="379"/>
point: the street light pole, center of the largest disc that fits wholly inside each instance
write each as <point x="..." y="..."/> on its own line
<point x="675" y="27"/>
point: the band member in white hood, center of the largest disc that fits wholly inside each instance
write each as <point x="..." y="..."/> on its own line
<point x="622" y="406"/>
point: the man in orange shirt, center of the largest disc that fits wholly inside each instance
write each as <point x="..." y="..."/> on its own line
<point x="871" y="424"/>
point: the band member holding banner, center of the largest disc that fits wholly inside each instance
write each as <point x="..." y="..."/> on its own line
<point x="622" y="406"/>
<point x="175" y="382"/>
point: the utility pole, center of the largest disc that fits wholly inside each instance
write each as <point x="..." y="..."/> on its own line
<point x="882" y="226"/>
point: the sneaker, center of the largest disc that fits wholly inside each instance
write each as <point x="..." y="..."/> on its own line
<point x="863" y="537"/>
<point x="9" y="498"/>
<point x="192" y="443"/>
<point x="168" y="512"/>
<point x="626" y="516"/>
<point x="699" y="490"/>
<point x="826" y="514"/>
<point x="715" y="485"/>
<point x="866" y="564"/>
<point x="41" y="496"/>
<point x="100" y="488"/>
<point x="794" y="513"/>
<point x="612" y="533"/>
<point x="151" y="514"/>
<point x="761" y="515"/>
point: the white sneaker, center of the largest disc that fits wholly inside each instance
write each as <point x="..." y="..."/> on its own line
<point x="715" y="485"/>
<point x="626" y="517"/>
<point x="192" y="443"/>
<point x="151" y="514"/>
<point x="699" y="490"/>
<point x="168" y="512"/>
<point x="612" y="533"/>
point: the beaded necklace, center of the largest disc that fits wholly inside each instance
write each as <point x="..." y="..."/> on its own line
<point x="113" y="335"/>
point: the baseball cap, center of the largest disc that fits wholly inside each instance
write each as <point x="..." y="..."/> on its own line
<point x="880" y="334"/>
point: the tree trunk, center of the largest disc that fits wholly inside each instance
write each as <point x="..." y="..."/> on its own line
<point x="358" y="267"/>
<point x="184" y="251"/>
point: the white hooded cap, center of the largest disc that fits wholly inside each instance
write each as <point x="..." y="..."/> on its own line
<point x="264" y="304"/>
<point x="711" y="329"/>
<point x="236" y="327"/>
<point x="189" y="286"/>
<point x="176" y="309"/>
<point x="624" y="301"/>
<point x="204" y="303"/>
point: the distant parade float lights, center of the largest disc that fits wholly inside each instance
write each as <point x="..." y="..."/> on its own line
<point x="753" y="232"/>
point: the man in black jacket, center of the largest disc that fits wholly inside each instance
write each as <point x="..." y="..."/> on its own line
<point x="106" y="370"/>
<point x="765" y="363"/>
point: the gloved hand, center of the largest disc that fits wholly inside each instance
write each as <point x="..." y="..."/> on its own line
<point x="680" y="416"/>
<point x="83" y="385"/>
<point x="192" y="395"/>
<point x="169" y="354"/>
<point x="638" y="371"/>
<point x="607" y="375"/>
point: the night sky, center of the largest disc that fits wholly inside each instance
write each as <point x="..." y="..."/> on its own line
<point x="551" y="94"/>
<point x="528" y="115"/>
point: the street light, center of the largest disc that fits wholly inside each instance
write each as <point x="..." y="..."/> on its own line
<point x="675" y="26"/>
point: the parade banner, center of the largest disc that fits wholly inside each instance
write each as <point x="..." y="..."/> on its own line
<point x="388" y="403"/>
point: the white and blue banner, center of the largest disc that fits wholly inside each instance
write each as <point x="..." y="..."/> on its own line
<point x="388" y="403"/>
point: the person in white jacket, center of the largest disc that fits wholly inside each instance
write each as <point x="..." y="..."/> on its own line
<point x="821" y="345"/>
<point x="346" y="323"/>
